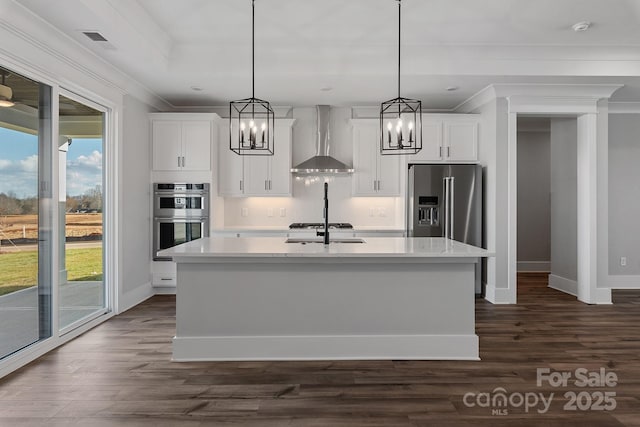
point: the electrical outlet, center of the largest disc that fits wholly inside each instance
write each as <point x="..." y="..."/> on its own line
<point x="283" y="212"/>
<point x="372" y="211"/>
<point x="623" y="261"/>
<point x="244" y="212"/>
<point x="382" y="212"/>
<point x="269" y="212"/>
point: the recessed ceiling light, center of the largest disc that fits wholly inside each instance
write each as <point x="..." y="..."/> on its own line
<point x="196" y="88"/>
<point x="452" y="88"/>
<point x="326" y="89"/>
<point x="581" y="26"/>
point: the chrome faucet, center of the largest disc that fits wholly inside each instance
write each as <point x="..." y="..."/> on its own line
<point x="325" y="233"/>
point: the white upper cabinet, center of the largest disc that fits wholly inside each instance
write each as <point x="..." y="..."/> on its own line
<point x="182" y="142"/>
<point x="230" y="166"/>
<point x="375" y="174"/>
<point x="461" y="140"/>
<point x="196" y="145"/>
<point x="167" y="145"/>
<point x="431" y="140"/>
<point x="244" y="176"/>
<point x="448" y="138"/>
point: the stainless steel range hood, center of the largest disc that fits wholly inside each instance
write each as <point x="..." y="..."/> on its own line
<point x="322" y="162"/>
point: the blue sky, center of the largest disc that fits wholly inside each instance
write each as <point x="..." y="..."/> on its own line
<point x="19" y="167"/>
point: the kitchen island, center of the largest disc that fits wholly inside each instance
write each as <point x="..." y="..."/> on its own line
<point x="265" y="299"/>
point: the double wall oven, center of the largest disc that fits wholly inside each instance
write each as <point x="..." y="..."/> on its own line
<point x="180" y="214"/>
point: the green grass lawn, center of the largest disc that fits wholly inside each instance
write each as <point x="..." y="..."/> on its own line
<point x="19" y="270"/>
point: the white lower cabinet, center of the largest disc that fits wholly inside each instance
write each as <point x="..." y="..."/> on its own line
<point x="244" y="176"/>
<point x="163" y="273"/>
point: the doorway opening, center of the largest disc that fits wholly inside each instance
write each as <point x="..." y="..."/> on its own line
<point x="547" y="189"/>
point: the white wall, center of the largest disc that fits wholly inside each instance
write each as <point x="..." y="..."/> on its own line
<point x="136" y="195"/>
<point x="534" y="227"/>
<point x="624" y="195"/>
<point x="307" y="201"/>
<point x="564" y="185"/>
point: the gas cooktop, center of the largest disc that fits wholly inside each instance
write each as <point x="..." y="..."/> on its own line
<point x="319" y="225"/>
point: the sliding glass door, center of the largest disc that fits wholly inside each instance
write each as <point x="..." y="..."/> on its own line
<point x="80" y="211"/>
<point x="25" y="212"/>
<point x="52" y="200"/>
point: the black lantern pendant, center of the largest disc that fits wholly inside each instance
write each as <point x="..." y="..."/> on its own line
<point x="400" y="118"/>
<point x="251" y="120"/>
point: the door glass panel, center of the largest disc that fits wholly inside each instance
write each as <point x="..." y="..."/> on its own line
<point x="177" y="233"/>
<point x="80" y="207"/>
<point x="25" y="212"/>
<point x="195" y="231"/>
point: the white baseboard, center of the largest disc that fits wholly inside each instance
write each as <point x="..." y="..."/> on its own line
<point x="623" y="282"/>
<point x="499" y="295"/>
<point x="563" y="284"/>
<point x="164" y="290"/>
<point x="602" y="296"/>
<point x="320" y="347"/>
<point x="534" y="266"/>
<point x="135" y="297"/>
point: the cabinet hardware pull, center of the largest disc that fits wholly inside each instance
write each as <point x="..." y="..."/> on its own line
<point x="448" y="151"/>
<point x="178" y="161"/>
<point x="440" y="151"/>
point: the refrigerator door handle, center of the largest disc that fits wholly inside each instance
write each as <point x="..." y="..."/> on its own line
<point x="452" y="204"/>
<point x="445" y="231"/>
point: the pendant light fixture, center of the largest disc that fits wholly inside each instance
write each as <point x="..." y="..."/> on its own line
<point x="251" y="120"/>
<point x="400" y="118"/>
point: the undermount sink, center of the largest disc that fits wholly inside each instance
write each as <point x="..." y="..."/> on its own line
<point x="305" y="241"/>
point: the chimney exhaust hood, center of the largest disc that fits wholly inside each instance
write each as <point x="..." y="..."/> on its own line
<point x="322" y="162"/>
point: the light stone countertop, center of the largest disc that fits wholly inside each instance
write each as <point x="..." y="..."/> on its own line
<point x="286" y="229"/>
<point x="275" y="247"/>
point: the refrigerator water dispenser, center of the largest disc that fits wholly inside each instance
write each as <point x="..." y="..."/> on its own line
<point x="428" y="210"/>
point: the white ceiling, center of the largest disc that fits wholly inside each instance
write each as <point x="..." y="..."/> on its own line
<point x="350" y="46"/>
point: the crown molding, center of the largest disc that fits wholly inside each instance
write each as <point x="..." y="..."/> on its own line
<point x="539" y="93"/>
<point x="280" y="111"/>
<point x="477" y="100"/>
<point x="589" y="91"/>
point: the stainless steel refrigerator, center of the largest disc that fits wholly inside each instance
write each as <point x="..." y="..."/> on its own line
<point x="445" y="200"/>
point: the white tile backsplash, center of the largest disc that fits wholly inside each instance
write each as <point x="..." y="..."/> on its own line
<point x="306" y="205"/>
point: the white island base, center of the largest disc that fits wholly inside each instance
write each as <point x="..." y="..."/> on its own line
<point x="410" y="299"/>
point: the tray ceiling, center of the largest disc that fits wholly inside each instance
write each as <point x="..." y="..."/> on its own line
<point x="343" y="52"/>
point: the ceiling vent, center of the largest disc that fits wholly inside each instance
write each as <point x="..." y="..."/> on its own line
<point x="99" y="39"/>
<point x="95" y="36"/>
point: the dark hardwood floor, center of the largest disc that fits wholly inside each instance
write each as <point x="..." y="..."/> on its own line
<point x="120" y="374"/>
